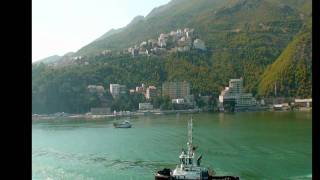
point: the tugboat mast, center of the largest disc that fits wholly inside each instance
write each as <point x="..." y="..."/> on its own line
<point x="190" y="138"/>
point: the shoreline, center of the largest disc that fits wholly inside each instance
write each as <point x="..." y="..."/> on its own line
<point x="146" y="113"/>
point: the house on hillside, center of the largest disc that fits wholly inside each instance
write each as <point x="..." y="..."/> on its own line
<point x="199" y="44"/>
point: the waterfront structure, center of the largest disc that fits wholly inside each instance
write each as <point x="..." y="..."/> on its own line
<point x="303" y="102"/>
<point x="145" y="106"/>
<point x="177" y="101"/>
<point x="100" y="110"/>
<point x="176" y="90"/>
<point x="281" y="107"/>
<point x="234" y="96"/>
<point x="117" y="89"/>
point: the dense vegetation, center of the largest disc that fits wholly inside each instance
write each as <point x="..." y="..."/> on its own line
<point x="291" y="73"/>
<point x="65" y="89"/>
<point x="254" y="39"/>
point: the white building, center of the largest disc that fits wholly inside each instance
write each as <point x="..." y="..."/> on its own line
<point x="162" y="42"/>
<point x="234" y="93"/>
<point x="179" y="33"/>
<point x="199" y="44"/>
<point x="117" y="89"/>
<point x="143" y="44"/>
<point x="145" y="106"/>
<point x="303" y="102"/>
<point x="151" y="92"/>
<point x="177" y="101"/>
<point x="106" y="52"/>
<point x="173" y="33"/>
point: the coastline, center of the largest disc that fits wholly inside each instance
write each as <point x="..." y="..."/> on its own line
<point x="37" y="117"/>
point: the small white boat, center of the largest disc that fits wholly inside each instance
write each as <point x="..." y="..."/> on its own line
<point x="124" y="124"/>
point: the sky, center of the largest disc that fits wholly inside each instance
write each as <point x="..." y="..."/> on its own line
<point x="62" y="26"/>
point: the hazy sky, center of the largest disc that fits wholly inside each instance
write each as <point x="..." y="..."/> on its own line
<point x="61" y="26"/>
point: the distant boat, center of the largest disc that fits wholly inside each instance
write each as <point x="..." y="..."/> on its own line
<point x="124" y="124"/>
<point x="189" y="169"/>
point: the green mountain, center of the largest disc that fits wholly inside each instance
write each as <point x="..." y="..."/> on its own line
<point x="48" y="60"/>
<point x="207" y="17"/>
<point x="109" y="33"/>
<point x="291" y="73"/>
<point x="243" y="38"/>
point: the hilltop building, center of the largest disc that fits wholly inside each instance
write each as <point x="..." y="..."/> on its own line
<point x="234" y="97"/>
<point x="176" y="90"/>
<point x="134" y="52"/>
<point x="199" y="44"/>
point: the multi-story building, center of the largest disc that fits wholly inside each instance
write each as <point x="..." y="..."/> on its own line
<point x="176" y="90"/>
<point x="236" y="86"/>
<point x="151" y="92"/>
<point x="234" y="94"/>
<point x="117" y="89"/>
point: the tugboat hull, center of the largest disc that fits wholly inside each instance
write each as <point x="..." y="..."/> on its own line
<point x="162" y="177"/>
<point x="164" y="174"/>
<point x="121" y="126"/>
<point x="224" y="177"/>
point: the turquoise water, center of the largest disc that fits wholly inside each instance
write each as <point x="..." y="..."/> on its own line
<point x="260" y="145"/>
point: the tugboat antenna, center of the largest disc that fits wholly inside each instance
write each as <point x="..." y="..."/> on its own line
<point x="190" y="146"/>
<point x="190" y="132"/>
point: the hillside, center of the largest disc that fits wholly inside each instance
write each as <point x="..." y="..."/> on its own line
<point x="243" y="38"/>
<point x="48" y="60"/>
<point x="214" y="17"/>
<point x="291" y="73"/>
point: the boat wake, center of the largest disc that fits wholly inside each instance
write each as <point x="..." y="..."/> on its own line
<point x="303" y="177"/>
<point x="97" y="159"/>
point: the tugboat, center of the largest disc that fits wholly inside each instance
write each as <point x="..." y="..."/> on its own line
<point x="188" y="169"/>
<point x="124" y="124"/>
